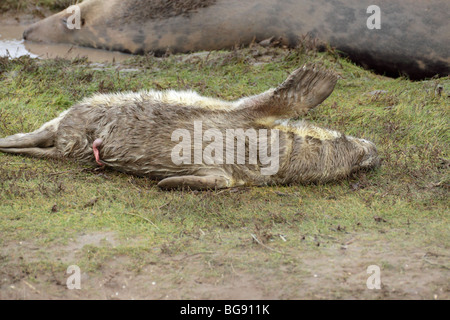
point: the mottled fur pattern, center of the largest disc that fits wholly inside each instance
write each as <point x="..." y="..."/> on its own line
<point x="136" y="129"/>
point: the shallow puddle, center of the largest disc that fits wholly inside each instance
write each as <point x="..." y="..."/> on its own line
<point x="12" y="44"/>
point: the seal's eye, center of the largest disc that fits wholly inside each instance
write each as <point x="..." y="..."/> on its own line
<point x="64" y="22"/>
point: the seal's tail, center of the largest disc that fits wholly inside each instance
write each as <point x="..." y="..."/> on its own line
<point x="304" y="89"/>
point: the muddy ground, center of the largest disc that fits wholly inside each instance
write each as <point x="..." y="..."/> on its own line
<point x="338" y="271"/>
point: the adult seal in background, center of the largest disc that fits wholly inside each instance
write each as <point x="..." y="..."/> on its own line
<point x="414" y="38"/>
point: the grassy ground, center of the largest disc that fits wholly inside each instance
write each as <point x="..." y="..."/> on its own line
<point x="132" y="240"/>
<point x="274" y="242"/>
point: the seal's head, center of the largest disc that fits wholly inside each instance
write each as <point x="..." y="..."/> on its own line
<point x="74" y="25"/>
<point x="366" y="156"/>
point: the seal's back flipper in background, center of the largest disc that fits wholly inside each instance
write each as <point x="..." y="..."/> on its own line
<point x="304" y="89"/>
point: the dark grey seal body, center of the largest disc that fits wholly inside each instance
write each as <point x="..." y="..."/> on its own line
<point x="135" y="134"/>
<point x="414" y="38"/>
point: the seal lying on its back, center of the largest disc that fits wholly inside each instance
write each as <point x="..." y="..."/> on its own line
<point x="134" y="133"/>
<point x="413" y="39"/>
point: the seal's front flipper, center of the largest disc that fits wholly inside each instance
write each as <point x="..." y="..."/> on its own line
<point x="304" y="89"/>
<point x="195" y="182"/>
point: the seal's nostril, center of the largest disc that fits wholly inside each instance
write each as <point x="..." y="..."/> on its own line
<point x="28" y="32"/>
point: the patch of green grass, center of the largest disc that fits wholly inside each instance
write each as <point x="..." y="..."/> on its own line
<point x="401" y="206"/>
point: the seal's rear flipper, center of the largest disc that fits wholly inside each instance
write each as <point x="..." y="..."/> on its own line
<point x="39" y="138"/>
<point x="32" y="152"/>
<point x="304" y="89"/>
<point x="37" y="144"/>
<point x="195" y="182"/>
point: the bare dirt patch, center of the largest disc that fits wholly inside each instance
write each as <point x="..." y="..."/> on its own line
<point x="331" y="272"/>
